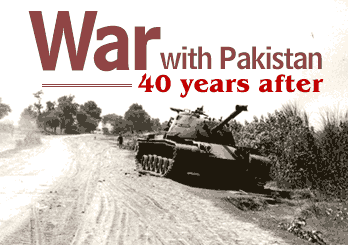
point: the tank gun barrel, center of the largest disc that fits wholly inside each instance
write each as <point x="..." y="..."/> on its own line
<point x="176" y="110"/>
<point x="239" y="109"/>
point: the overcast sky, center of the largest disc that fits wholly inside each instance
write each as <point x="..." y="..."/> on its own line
<point x="302" y="26"/>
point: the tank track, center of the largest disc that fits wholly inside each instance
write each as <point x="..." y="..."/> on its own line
<point x="155" y="165"/>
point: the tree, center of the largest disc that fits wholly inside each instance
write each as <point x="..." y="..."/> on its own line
<point x="88" y="116"/>
<point x="50" y="105"/>
<point x="38" y="105"/>
<point x="117" y="122"/>
<point x="155" y="124"/>
<point x="109" y="118"/>
<point x="91" y="108"/>
<point x="50" y="118"/>
<point x="4" y="109"/>
<point x="91" y="124"/>
<point x="140" y="119"/>
<point x="120" y="125"/>
<point x="68" y="109"/>
<point x="28" y="117"/>
<point x="86" y="123"/>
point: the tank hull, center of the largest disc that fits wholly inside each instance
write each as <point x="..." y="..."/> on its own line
<point x="168" y="158"/>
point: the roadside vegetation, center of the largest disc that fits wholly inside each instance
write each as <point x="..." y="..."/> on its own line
<point x="135" y="121"/>
<point x="63" y="116"/>
<point x="302" y="157"/>
<point x="310" y="164"/>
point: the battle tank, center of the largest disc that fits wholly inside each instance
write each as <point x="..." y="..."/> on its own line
<point x="195" y="143"/>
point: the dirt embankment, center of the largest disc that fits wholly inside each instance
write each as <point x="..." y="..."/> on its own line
<point x="100" y="199"/>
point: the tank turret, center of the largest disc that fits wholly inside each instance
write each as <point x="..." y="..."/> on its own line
<point x="195" y="125"/>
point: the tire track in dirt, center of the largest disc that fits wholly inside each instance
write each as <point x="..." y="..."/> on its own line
<point x="58" y="209"/>
<point x="130" y="211"/>
<point x="166" y="208"/>
<point x="33" y="174"/>
<point x="112" y="218"/>
<point x="161" y="225"/>
<point x="157" y="210"/>
<point x="173" y="230"/>
<point x="102" y="200"/>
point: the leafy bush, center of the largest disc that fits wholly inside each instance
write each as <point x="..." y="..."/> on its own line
<point x="302" y="157"/>
<point x="105" y="131"/>
<point x="286" y="138"/>
<point x="332" y="168"/>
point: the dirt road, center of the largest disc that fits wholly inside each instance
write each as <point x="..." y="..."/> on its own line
<point x="87" y="192"/>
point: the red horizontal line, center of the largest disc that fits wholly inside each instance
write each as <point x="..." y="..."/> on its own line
<point x="85" y="84"/>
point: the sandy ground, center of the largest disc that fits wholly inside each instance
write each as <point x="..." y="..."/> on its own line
<point x="78" y="190"/>
<point x="8" y="141"/>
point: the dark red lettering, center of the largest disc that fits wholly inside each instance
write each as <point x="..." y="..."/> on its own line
<point x="229" y="85"/>
<point x="301" y="83"/>
<point x="280" y="62"/>
<point x="200" y="83"/>
<point x="141" y="39"/>
<point x="258" y="59"/>
<point x="63" y="24"/>
<point x="223" y="57"/>
<point x="266" y="87"/>
<point x="170" y="60"/>
<point x="122" y="45"/>
<point x="316" y="84"/>
<point x="218" y="87"/>
<point x="245" y="85"/>
<point x="200" y="58"/>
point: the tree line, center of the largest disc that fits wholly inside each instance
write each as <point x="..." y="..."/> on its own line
<point x="70" y="117"/>
<point x="135" y="120"/>
<point x="65" y="114"/>
<point x="4" y="109"/>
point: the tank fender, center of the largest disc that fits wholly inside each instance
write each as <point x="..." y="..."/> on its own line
<point x="191" y="148"/>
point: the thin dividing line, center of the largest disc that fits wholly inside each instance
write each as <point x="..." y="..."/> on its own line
<point x="85" y="84"/>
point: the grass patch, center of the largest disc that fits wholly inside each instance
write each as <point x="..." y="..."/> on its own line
<point x="303" y="214"/>
<point x="247" y="203"/>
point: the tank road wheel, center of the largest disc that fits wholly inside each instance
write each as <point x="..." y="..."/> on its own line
<point x="153" y="167"/>
<point x="170" y="165"/>
<point x="148" y="165"/>
<point x="165" y="165"/>
<point x="144" y="161"/>
<point x="155" y="162"/>
<point x="161" y="168"/>
<point x="152" y="163"/>
<point x="157" y="165"/>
